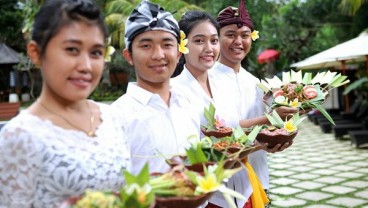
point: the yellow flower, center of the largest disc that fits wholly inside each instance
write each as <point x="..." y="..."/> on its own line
<point x="142" y="192"/>
<point x="295" y="103"/>
<point x="255" y="35"/>
<point x="91" y="198"/>
<point x="108" y="52"/>
<point x="208" y="183"/>
<point x="183" y="43"/>
<point x="289" y="126"/>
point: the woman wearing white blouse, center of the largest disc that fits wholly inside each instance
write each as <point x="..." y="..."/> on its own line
<point x="63" y="143"/>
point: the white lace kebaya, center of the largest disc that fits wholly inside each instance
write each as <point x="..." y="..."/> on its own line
<point x="41" y="164"/>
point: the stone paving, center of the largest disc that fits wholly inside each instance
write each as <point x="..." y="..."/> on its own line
<point x="318" y="171"/>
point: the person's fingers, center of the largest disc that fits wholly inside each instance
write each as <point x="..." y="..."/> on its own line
<point x="263" y="146"/>
<point x="274" y="149"/>
<point x="284" y="146"/>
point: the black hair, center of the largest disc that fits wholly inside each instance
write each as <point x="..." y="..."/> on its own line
<point x="187" y="22"/>
<point x="55" y="14"/>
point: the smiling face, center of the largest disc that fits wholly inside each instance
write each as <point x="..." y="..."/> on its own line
<point x="235" y="44"/>
<point x="72" y="63"/>
<point x="204" y="48"/>
<point x="154" y="56"/>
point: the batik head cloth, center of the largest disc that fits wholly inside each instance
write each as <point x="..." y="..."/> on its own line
<point x="148" y="16"/>
<point x="232" y="15"/>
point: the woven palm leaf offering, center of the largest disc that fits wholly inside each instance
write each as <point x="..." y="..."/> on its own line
<point x="215" y="125"/>
<point x="178" y="188"/>
<point x="238" y="146"/>
<point x="304" y="92"/>
<point x="279" y="132"/>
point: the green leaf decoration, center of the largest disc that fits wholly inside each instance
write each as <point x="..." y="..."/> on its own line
<point x="264" y="86"/>
<point x="318" y="78"/>
<point x="339" y="81"/>
<point x="324" y="112"/>
<point x="195" y="154"/>
<point x="297" y="120"/>
<point x="276" y="116"/>
<point x="141" y="179"/>
<point x="307" y="78"/>
<point x="238" y="133"/>
<point x="209" y="114"/>
<point x="285" y="77"/>
<point x="252" y="135"/>
<point x="296" y="76"/>
<point x="271" y="120"/>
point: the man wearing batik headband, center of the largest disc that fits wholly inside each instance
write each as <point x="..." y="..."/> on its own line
<point x="156" y="119"/>
<point x="240" y="95"/>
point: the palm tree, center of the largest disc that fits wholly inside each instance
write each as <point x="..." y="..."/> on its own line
<point x="350" y="7"/>
<point x="30" y="8"/>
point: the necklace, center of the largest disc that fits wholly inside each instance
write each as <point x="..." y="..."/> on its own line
<point x="89" y="133"/>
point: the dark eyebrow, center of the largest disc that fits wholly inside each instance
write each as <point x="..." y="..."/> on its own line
<point x="230" y="31"/>
<point x="168" y="39"/>
<point x="144" y="40"/>
<point x="201" y="35"/>
<point x="80" y="43"/>
<point x="72" y="41"/>
<point x="150" y="39"/>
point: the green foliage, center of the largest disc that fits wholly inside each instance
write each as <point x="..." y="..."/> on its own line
<point x="100" y="94"/>
<point x="209" y="114"/>
<point x="361" y="84"/>
<point x="350" y="7"/>
<point x="10" y="24"/>
<point x="199" y="153"/>
<point x="135" y="185"/>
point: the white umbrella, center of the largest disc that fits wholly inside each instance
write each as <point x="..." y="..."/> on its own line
<point x="352" y="51"/>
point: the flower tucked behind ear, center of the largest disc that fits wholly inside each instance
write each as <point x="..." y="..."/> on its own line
<point x="183" y="43"/>
<point x="255" y="35"/>
<point x="109" y="50"/>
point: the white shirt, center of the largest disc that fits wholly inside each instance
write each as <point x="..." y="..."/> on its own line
<point x="155" y="131"/>
<point x="243" y="100"/>
<point x="194" y="93"/>
<point x="192" y="90"/>
<point x="42" y="165"/>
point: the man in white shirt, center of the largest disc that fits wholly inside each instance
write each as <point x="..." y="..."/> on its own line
<point x="156" y="119"/>
<point x="240" y="94"/>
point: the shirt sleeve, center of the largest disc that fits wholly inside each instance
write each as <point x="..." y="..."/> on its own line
<point x="19" y="165"/>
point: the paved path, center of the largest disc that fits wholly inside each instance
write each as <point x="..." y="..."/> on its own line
<point x="319" y="172"/>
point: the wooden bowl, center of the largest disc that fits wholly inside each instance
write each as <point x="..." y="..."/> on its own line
<point x="180" y="160"/>
<point x="217" y="134"/>
<point x="181" y="201"/>
<point x="229" y="163"/>
<point x="273" y="140"/>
